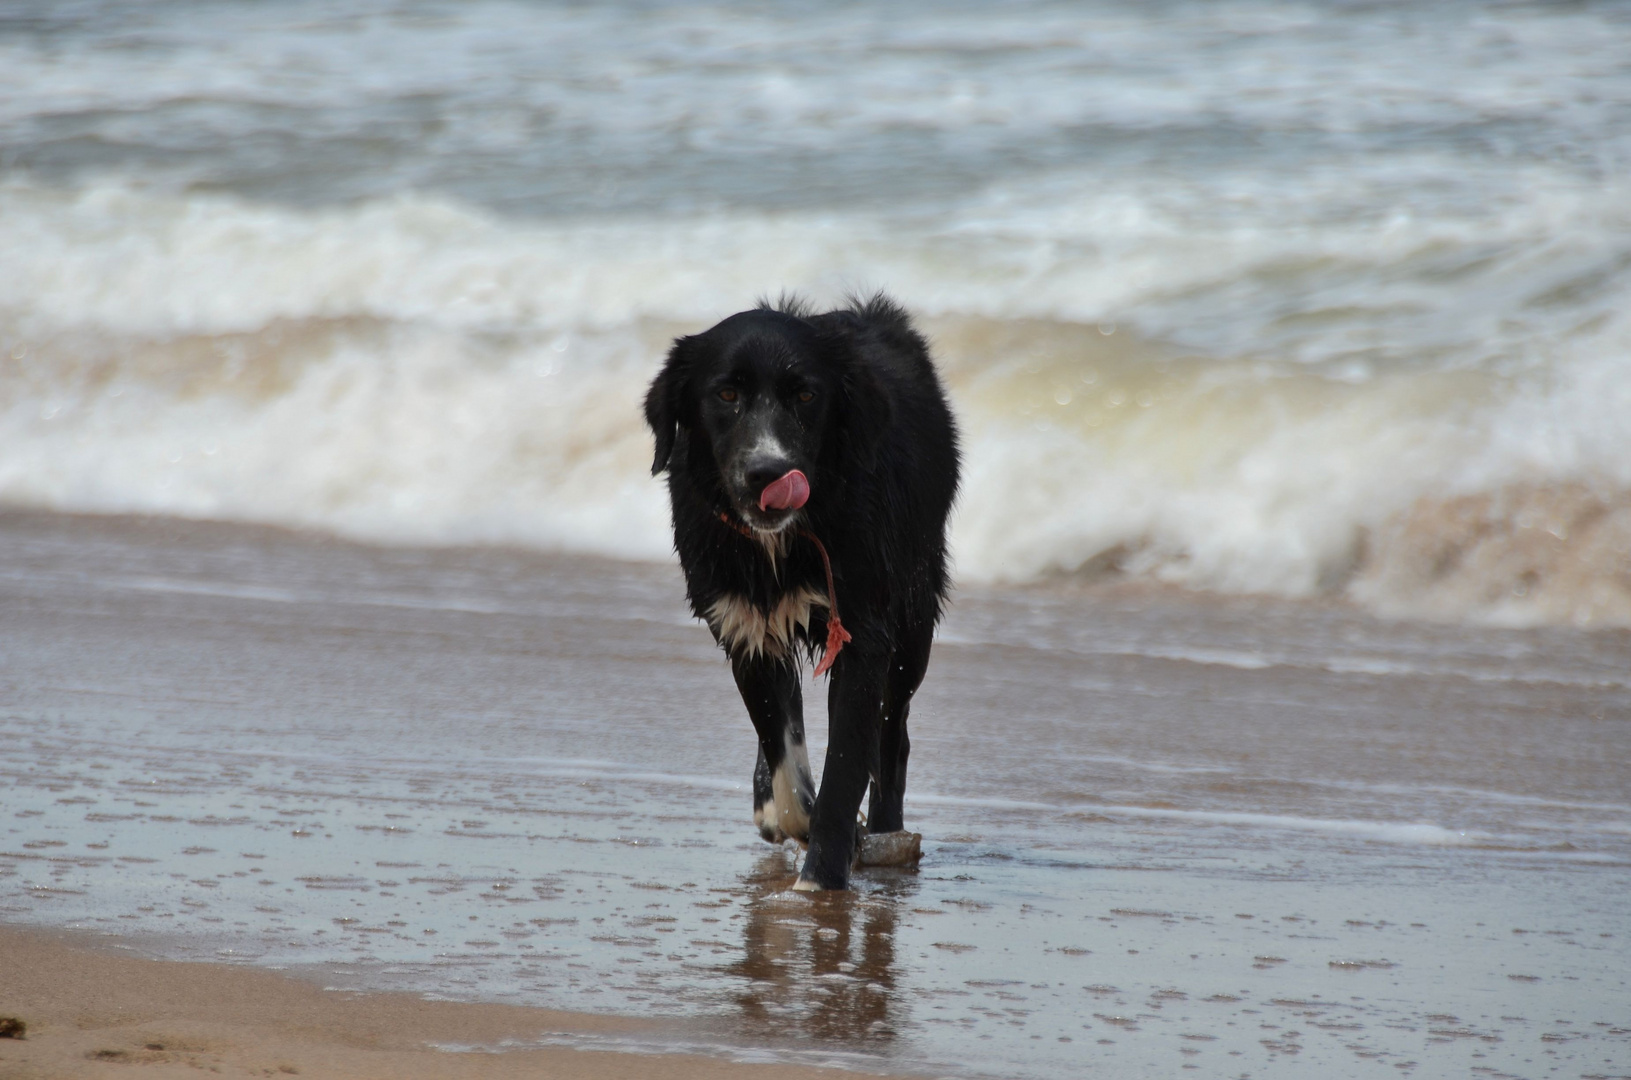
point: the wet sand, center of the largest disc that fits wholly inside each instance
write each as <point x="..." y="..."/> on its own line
<point x="92" y="1013"/>
<point x="1162" y="831"/>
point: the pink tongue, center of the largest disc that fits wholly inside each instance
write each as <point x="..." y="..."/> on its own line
<point x="788" y="492"/>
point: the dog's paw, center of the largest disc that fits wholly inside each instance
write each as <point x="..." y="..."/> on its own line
<point x="822" y="877"/>
<point x="768" y="822"/>
<point x="890" y="849"/>
<point x="794" y="799"/>
<point x="796" y="826"/>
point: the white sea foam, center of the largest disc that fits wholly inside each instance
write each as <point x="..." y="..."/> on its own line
<point x="417" y="371"/>
<point x="1171" y="359"/>
<point x="1394" y="832"/>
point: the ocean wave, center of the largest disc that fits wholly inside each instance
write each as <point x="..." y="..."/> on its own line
<point x="415" y="370"/>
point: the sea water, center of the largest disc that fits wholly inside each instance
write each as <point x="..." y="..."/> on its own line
<point x="1244" y="836"/>
<point x="1295" y="298"/>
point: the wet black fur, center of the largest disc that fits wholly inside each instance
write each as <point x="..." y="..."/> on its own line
<point x="882" y="460"/>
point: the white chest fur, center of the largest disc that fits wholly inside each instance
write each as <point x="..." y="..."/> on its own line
<point x="749" y="630"/>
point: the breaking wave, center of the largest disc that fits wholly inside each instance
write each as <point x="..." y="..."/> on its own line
<point x="417" y="370"/>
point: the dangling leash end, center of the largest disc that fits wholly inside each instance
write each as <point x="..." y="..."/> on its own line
<point x="836" y="636"/>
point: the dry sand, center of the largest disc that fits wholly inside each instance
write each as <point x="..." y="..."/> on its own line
<point x="94" y="1013"/>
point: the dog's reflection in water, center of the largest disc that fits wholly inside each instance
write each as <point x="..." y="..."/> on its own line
<point x="821" y="964"/>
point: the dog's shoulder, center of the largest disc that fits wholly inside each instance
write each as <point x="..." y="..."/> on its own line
<point x="880" y="335"/>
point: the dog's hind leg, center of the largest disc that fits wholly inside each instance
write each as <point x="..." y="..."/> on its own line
<point x="906" y="668"/>
<point x="783" y="792"/>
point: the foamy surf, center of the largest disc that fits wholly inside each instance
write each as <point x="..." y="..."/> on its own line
<point x="482" y="390"/>
<point x="1391" y="832"/>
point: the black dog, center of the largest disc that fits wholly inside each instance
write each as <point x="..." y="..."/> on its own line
<point x="812" y="461"/>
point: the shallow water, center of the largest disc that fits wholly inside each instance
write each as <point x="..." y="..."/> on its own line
<point x="1253" y="837"/>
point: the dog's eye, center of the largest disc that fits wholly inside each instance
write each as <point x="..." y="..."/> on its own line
<point x="806" y="396"/>
<point x="727" y="395"/>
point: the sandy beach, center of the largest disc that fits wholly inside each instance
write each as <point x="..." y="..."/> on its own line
<point x="94" y="1013"/>
<point x="1161" y="830"/>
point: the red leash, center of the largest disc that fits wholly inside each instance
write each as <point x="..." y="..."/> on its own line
<point x="836" y="634"/>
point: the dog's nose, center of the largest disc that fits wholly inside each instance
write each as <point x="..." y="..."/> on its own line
<point x="766" y="471"/>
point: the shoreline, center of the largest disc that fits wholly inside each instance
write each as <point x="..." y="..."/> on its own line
<point x="1160" y="830"/>
<point x="1469" y="562"/>
<point x="92" y="1009"/>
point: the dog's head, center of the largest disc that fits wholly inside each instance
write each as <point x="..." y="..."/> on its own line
<point x="774" y="397"/>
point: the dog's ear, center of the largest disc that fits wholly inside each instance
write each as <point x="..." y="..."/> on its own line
<point x="665" y="400"/>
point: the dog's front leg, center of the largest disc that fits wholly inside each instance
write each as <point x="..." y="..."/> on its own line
<point x="782" y="789"/>
<point x="854" y="705"/>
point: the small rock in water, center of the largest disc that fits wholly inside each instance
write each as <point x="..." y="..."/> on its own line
<point x="890" y="849"/>
<point x="12" y="1028"/>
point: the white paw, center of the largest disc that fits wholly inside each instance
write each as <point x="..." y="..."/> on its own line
<point x="768" y="822"/>
<point x="793" y="791"/>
